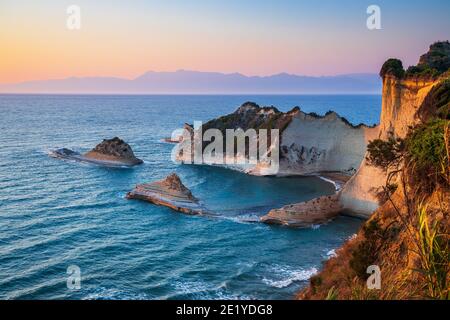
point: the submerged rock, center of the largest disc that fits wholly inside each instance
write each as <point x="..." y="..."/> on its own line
<point x="169" y="192"/>
<point x="112" y="152"/>
<point x="305" y="214"/>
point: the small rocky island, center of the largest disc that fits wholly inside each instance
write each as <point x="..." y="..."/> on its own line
<point x="110" y="152"/>
<point x="169" y="192"/>
<point x="305" y="214"/>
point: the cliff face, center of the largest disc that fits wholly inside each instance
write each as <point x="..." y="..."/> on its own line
<point x="408" y="237"/>
<point x="309" y="144"/>
<point x="314" y="145"/>
<point x="401" y="101"/>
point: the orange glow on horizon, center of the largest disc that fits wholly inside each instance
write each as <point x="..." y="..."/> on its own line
<point x="127" y="40"/>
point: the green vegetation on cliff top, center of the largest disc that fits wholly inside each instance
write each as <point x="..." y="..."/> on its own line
<point x="432" y="64"/>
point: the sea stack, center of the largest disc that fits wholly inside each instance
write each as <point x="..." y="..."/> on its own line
<point x="169" y="192"/>
<point x="114" y="150"/>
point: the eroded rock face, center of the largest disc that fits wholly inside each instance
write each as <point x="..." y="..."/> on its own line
<point x="314" y="144"/>
<point x="114" y="149"/>
<point x="305" y="214"/>
<point x="309" y="143"/>
<point x="169" y="192"/>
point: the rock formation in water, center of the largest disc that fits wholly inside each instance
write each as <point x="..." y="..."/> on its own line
<point x="305" y="214"/>
<point x="112" y="152"/>
<point x="169" y="192"/>
<point x="115" y="150"/>
<point x="309" y="144"/>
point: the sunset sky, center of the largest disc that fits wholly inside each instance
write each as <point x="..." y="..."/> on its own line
<point x="127" y="38"/>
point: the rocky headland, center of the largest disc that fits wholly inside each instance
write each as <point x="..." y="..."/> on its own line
<point x="311" y="144"/>
<point x="169" y="192"/>
<point x="405" y="179"/>
<point x="327" y="146"/>
<point x="110" y="152"/>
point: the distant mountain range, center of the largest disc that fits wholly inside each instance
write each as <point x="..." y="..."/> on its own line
<point x="195" y="82"/>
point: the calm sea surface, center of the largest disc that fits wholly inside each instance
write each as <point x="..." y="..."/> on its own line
<point x="54" y="214"/>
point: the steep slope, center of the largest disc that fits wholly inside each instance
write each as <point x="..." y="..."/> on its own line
<point x="408" y="237"/>
<point x="401" y="100"/>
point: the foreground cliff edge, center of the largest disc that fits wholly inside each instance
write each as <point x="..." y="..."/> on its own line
<point x="110" y="152"/>
<point x="403" y="250"/>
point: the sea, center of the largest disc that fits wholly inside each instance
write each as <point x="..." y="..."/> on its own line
<point x="67" y="231"/>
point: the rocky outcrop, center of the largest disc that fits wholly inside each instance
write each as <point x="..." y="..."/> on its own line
<point x="112" y="153"/>
<point x="309" y="144"/>
<point x="305" y="214"/>
<point x="169" y="192"/>
<point x="115" y="150"/>
<point x="314" y="144"/>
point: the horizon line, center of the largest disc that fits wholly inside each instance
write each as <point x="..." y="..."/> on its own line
<point x="193" y="71"/>
<point x="188" y="94"/>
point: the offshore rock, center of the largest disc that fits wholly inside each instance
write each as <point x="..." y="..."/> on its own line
<point x="305" y="214"/>
<point x="112" y="152"/>
<point x="114" y="149"/>
<point x="169" y="192"/>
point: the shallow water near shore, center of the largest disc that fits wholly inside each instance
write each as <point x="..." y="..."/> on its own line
<point x="56" y="213"/>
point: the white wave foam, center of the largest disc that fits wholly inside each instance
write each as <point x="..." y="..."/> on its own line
<point x="337" y="186"/>
<point x="202" y="290"/>
<point x="353" y="236"/>
<point x="285" y="276"/>
<point x="245" y="218"/>
<point x="102" y="293"/>
<point x="332" y="253"/>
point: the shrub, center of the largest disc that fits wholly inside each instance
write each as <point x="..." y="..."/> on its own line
<point x="437" y="58"/>
<point x="437" y="102"/>
<point x="433" y="63"/>
<point x="386" y="192"/>
<point x="366" y="252"/>
<point x="384" y="154"/>
<point x="392" y="67"/>
<point x="427" y="151"/>
<point x="434" y="255"/>
<point x="423" y="71"/>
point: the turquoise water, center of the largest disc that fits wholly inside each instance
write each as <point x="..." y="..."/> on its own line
<point x="54" y="213"/>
